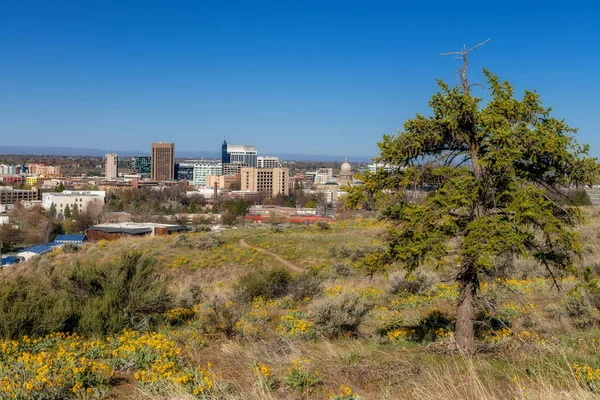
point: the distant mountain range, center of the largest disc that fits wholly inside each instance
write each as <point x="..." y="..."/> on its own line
<point x="71" y="151"/>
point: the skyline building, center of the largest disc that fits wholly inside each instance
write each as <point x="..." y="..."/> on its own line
<point x="267" y="162"/>
<point x="234" y="157"/>
<point x="163" y="161"/>
<point x="111" y="169"/>
<point x="272" y="181"/>
<point x="141" y="165"/>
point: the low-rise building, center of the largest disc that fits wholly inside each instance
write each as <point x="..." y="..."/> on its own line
<point x="73" y="200"/>
<point x="109" y="231"/>
<point x="43" y="169"/>
<point x="8" y="195"/>
<point x="73" y="239"/>
<point x="30" y="252"/>
<point x="222" y="181"/>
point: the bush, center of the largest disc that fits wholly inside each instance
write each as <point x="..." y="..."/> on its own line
<point x="433" y="326"/>
<point x="578" y="307"/>
<point x="340" y="315"/>
<point x="276" y="228"/>
<point x="70" y="248"/>
<point x="305" y="285"/>
<point x="221" y="316"/>
<point x="323" y="225"/>
<point x="342" y="269"/>
<point x="207" y="242"/>
<point x="85" y="297"/>
<point x="403" y="282"/>
<point x="269" y="284"/>
<point x="202" y="228"/>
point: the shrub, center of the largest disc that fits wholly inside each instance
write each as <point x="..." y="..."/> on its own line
<point x="305" y="285"/>
<point x="342" y="269"/>
<point x="435" y="325"/>
<point x="301" y="377"/>
<point x="579" y="308"/>
<point x="207" y="242"/>
<point x="85" y="297"/>
<point x="412" y="284"/>
<point x="269" y="284"/>
<point x="335" y="316"/>
<point x="276" y="228"/>
<point x="221" y="316"/>
<point x="202" y="228"/>
<point x="70" y="248"/>
<point x="323" y="225"/>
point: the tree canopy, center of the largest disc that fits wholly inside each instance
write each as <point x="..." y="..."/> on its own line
<point x="491" y="170"/>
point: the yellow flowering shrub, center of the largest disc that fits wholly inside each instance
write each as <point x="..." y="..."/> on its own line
<point x="54" y="367"/>
<point x="345" y="393"/>
<point x="587" y="375"/>
<point x="301" y="377"/>
<point x="295" y="324"/>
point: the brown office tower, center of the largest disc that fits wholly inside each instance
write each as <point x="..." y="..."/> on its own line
<point x="163" y="161"/>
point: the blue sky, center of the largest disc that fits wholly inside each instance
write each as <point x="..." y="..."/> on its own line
<point x="311" y="77"/>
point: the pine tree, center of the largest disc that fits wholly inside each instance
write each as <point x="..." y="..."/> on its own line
<point x="492" y="168"/>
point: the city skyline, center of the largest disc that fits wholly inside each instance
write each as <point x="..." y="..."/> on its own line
<point x="322" y="79"/>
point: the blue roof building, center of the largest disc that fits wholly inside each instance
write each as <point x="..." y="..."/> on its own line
<point x="38" y="250"/>
<point x="75" y="239"/>
<point x="8" y="260"/>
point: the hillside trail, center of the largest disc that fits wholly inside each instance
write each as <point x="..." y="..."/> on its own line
<point x="288" y="264"/>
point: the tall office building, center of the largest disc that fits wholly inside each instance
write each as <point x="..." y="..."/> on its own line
<point x="111" y="170"/>
<point x="141" y="165"/>
<point x="163" y="161"/>
<point x="267" y="162"/>
<point x="272" y="181"/>
<point x="236" y="157"/>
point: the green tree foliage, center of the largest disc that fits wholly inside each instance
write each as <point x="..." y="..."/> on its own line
<point x="492" y="167"/>
<point x="85" y="297"/>
<point x="237" y="207"/>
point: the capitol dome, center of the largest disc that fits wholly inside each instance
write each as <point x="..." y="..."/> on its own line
<point x="346" y="167"/>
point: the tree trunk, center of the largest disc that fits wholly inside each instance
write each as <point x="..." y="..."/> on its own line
<point x="465" y="335"/>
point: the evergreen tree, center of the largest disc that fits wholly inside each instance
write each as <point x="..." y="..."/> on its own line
<point x="67" y="212"/>
<point x="492" y="168"/>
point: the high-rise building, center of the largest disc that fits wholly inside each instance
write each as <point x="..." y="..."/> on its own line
<point x="224" y="156"/>
<point x="272" y="181"/>
<point x="202" y="170"/>
<point x="267" y="162"/>
<point x="234" y="157"/>
<point x="112" y="167"/>
<point x="163" y="161"/>
<point x="323" y="175"/>
<point x="184" y="171"/>
<point x="141" y="165"/>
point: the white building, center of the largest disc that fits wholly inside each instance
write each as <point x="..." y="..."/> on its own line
<point x="372" y="168"/>
<point x="323" y="175"/>
<point x="202" y="170"/>
<point x="267" y="162"/>
<point x="8" y="169"/>
<point x="112" y="167"/>
<point x="79" y="200"/>
<point x="4" y="219"/>
<point x="242" y="154"/>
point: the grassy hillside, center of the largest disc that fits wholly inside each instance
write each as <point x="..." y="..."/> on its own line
<point x="257" y="314"/>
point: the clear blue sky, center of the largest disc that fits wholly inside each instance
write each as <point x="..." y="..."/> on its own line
<point x="316" y="77"/>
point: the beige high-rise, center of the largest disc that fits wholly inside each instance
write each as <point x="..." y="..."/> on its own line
<point x="111" y="170"/>
<point x="273" y="181"/>
<point x="163" y="161"/>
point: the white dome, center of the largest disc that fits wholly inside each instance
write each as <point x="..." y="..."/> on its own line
<point x="346" y="167"/>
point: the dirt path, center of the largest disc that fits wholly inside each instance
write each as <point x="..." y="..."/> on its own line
<point x="288" y="264"/>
